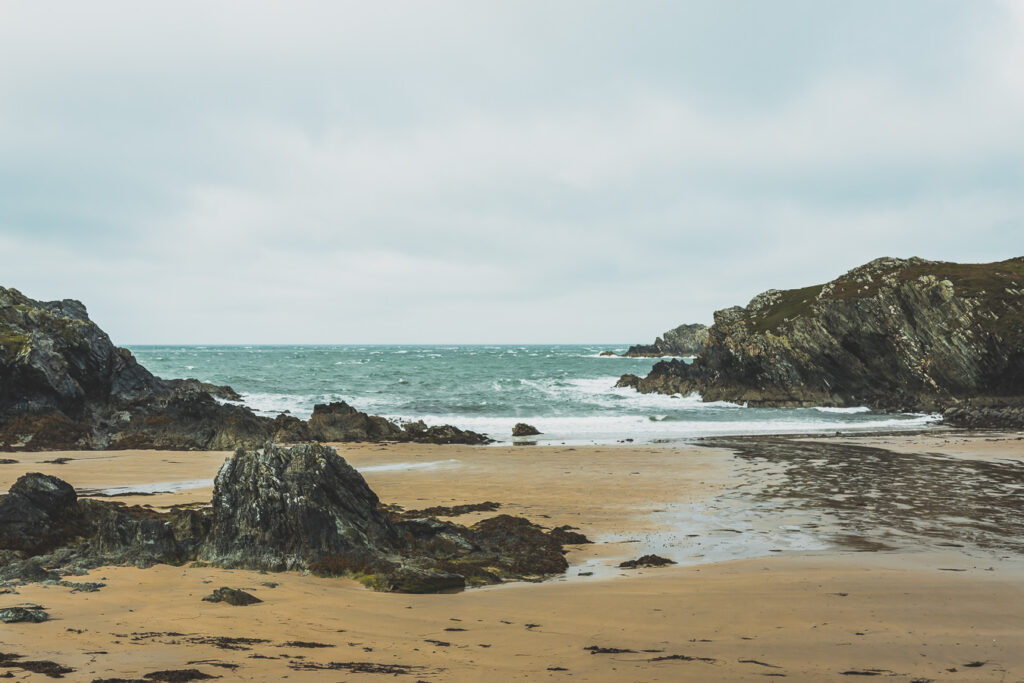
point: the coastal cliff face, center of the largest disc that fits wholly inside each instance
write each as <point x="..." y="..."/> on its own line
<point x="685" y="340"/>
<point x="905" y="334"/>
<point x="65" y="385"/>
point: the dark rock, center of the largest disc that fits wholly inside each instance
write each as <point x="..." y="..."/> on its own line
<point x="47" y="668"/>
<point x="232" y="596"/>
<point x="451" y="510"/>
<point x="284" y="508"/>
<point x="685" y="340"/>
<point x="646" y="561"/>
<point x="415" y="580"/>
<point x="566" y="535"/>
<point x="341" y="422"/>
<point x="892" y="334"/>
<point x="178" y="676"/>
<point x="280" y="508"/>
<point x="523" y="429"/>
<point x="607" y="353"/>
<point x="38" y="514"/>
<point x="527" y="548"/>
<point x="18" y="615"/>
<point x="418" y="432"/>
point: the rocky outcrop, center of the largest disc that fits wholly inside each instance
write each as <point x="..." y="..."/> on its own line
<point x="64" y="385"/>
<point x="523" y="429"/>
<point x="892" y="334"/>
<point x="273" y="509"/>
<point x="685" y="340"/>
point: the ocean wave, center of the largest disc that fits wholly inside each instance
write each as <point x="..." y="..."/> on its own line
<point x="846" y="411"/>
<point x="607" y="429"/>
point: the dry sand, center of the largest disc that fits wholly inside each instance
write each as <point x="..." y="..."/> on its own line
<point x="817" y="616"/>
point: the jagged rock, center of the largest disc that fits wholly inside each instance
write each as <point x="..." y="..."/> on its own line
<point x="279" y="508"/>
<point x="685" y="340"/>
<point x="284" y="508"/>
<point x="232" y="596"/>
<point x="419" y="432"/>
<point x="341" y="422"/>
<point x="973" y="416"/>
<point x="64" y="385"/>
<point x="523" y="429"/>
<point x="19" y="615"/>
<point x="892" y="334"/>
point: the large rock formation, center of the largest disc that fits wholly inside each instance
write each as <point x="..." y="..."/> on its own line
<point x="64" y="385"/>
<point x="685" y="340"/>
<point x="893" y="334"/>
<point x="273" y="509"/>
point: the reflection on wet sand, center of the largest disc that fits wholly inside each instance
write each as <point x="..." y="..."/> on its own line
<point x="874" y="499"/>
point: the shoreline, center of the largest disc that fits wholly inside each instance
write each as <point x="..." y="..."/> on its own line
<point x="909" y="613"/>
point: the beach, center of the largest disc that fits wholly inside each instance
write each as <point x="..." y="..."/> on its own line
<point x="773" y="588"/>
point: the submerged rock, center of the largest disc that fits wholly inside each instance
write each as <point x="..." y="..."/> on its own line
<point x="904" y="334"/>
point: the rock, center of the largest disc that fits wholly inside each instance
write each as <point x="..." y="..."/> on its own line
<point x="232" y="596"/>
<point x="566" y="535"/>
<point x="646" y="561"/>
<point x="418" y="432"/>
<point x="414" y="580"/>
<point x="607" y="353"/>
<point x="273" y="509"/>
<point x="39" y="513"/>
<point x="525" y="545"/>
<point x="523" y="429"/>
<point x="341" y="422"/>
<point x="19" y="615"/>
<point x="284" y="508"/>
<point x="685" y="340"/>
<point x="895" y="334"/>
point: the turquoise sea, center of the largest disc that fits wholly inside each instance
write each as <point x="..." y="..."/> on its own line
<point x="566" y="391"/>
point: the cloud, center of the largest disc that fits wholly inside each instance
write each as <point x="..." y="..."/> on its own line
<point x="351" y="172"/>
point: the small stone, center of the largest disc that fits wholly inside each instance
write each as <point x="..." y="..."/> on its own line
<point x="232" y="596"/>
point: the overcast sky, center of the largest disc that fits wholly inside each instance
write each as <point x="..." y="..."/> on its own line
<point x="371" y="172"/>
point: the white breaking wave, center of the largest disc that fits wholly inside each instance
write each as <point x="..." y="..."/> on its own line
<point x="848" y="411"/>
<point x="608" y="429"/>
<point x="400" y="466"/>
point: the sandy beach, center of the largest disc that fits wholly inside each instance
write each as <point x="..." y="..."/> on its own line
<point x="760" y="591"/>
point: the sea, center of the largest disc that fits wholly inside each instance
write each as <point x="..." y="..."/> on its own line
<point x="567" y="392"/>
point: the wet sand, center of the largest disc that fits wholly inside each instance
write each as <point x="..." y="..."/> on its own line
<point x="811" y="609"/>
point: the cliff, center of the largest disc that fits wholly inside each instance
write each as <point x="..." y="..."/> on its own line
<point x="65" y="385"/>
<point x="907" y="334"/>
<point x="685" y="340"/>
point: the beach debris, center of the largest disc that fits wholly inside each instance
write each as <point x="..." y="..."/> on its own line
<point x="646" y="561"/>
<point x="232" y="596"/>
<point x="45" y="667"/>
<point x="33" y="614"/>
<point x="361" y="667"/>
<point x="523" y="429"/>
<point x="178" y="676"/>
<point x="686" y="658"/>
<point x="599" y="650"/>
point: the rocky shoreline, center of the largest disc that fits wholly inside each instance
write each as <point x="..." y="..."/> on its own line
<point x="65" y="386"/>
<point x="273" y="509"/>
<point x="905" y="335"/>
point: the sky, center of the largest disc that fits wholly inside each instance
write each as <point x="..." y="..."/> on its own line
<point x="483" y="172"/>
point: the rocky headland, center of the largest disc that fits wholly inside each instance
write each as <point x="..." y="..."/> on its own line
<point x="685" y="340"/>
<point x="893" y="334"/>
<point x="273" y="509"/>
<point x="65" y="385"/>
